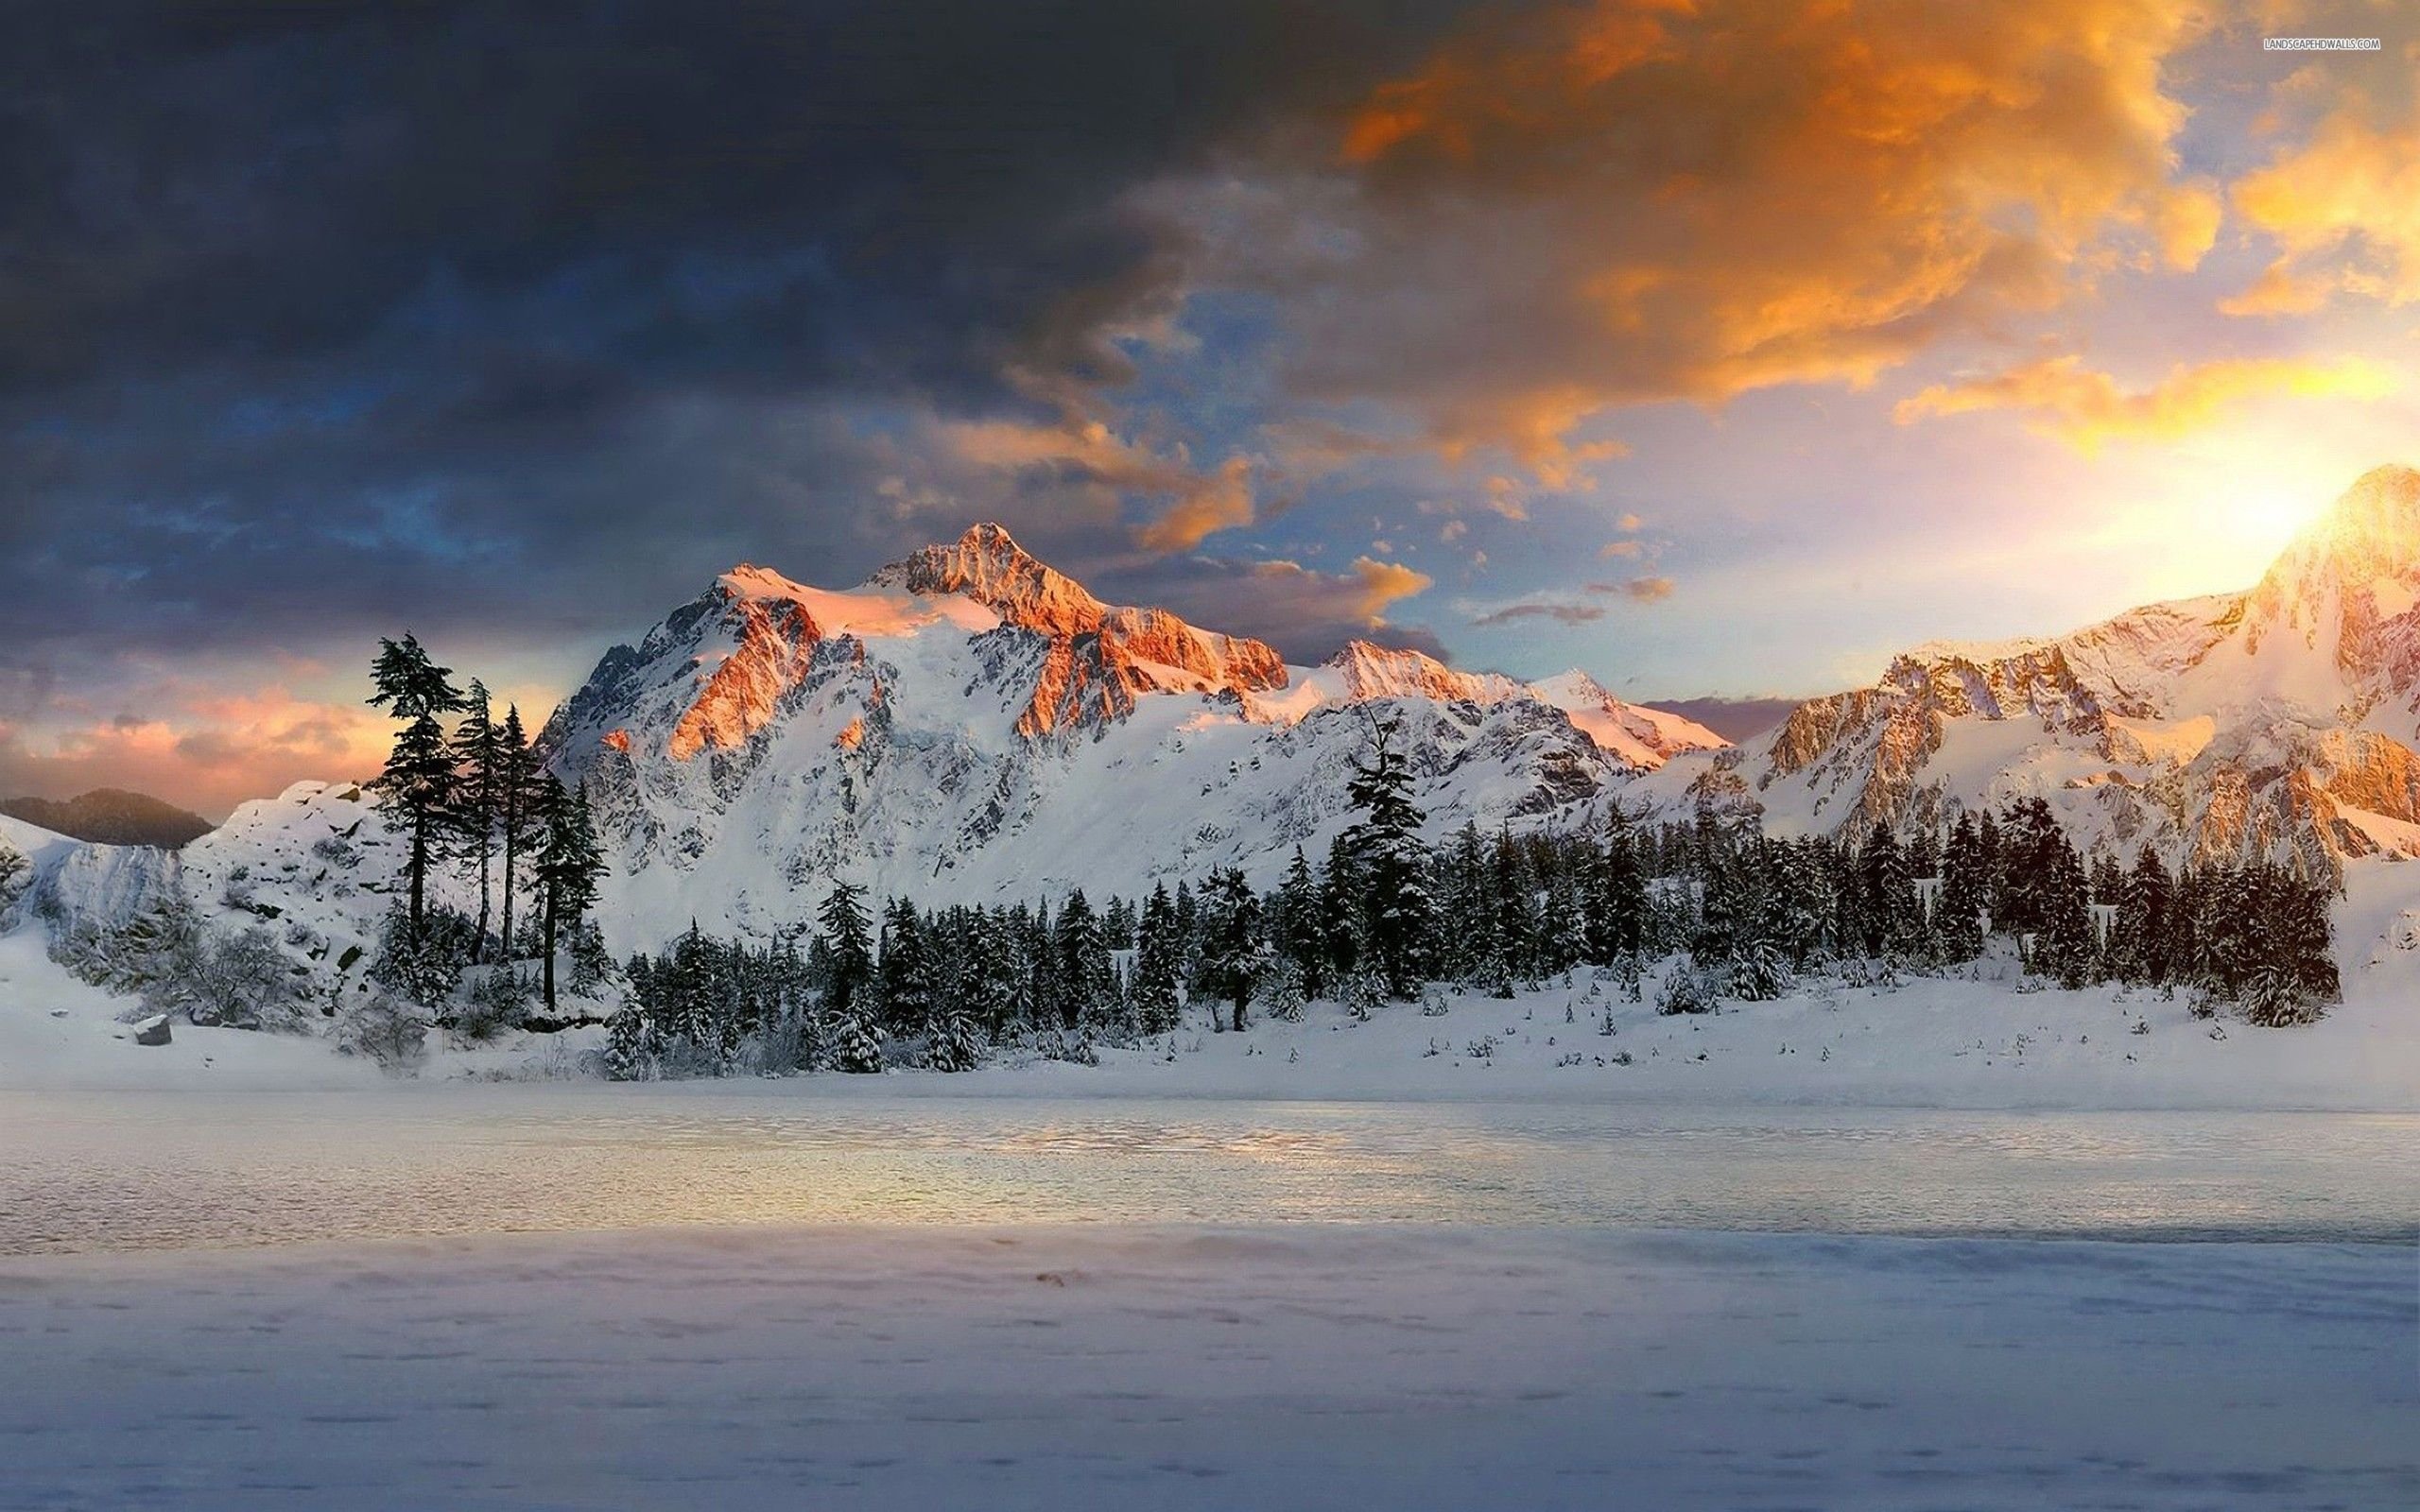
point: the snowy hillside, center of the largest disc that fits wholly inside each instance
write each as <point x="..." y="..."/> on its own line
<point x="2280" y="720"/>
<point x="970" y="723"/>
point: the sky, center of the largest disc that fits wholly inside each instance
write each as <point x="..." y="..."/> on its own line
<point x="1718" y="346"/>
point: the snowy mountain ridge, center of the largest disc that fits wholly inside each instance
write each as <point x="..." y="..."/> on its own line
<point x="970" y="722"/>
<point x="2280" y="720"/>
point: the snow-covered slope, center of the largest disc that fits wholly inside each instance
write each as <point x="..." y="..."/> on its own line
<point x="2280" y="720"/>
<point x="971" y="724"/>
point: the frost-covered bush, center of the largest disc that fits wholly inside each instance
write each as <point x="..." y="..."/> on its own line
<point x="1278" y="994"/>
<point x="382" y="1030"/>
<point x="2275" y="1000"/>
<point x="1759" y="974"/>
<point x="425" y="969"/>
<point x="16" y="876"/>
<point x="240" y="981"/>
<point x="955" y="1043"/>
<point x="1363" y="991"/>
<point x="1684" y="991"/>
<point x="334" y="849"/>
<point x="497" y="1003"/>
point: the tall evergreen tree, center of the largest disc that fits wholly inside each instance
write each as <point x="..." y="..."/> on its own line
<point x="2139" y="933"/>
<point x="1302" y="935"/>
<point x="519" y="807"/>
<point x="416" y="789"/>
<point x="848" y="949"/>
<point x="1965" y="892"/>
<point x="1233" y="954"/>
<point x="1513" y="923"/>
<point x="1616" y="895"/>
<point x="1390" y="863"/>
<point x="906" y="972"/>
<point x="1888" y="909"/>
<point x="1159" y="966"/>
<point x="567" y="868"/>
<point x="1086" y="977"/>
<point x="478" y="767"/>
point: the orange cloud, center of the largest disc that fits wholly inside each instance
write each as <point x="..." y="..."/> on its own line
<point x="207" y="749"/>
<point x="1383" y="583"/>
<point x="2343" y="201"/>
<point x="1627" y="201"/>
<point x="2087" y="408"/>
<point x="1638" y="590"/>
<point x="1201" y="502"/>
<point x="1219" y="501"/>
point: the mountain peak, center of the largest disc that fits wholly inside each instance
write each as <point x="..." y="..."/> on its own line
<point x="2383" y="508"/>
<point x="1381" y="672"/>
<point x="2370" y="535"/>
<point x="987" y="565"/>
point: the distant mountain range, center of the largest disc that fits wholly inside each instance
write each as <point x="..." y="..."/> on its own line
<point x="971" y="724"/>
<point x="2283" y="718"/>
<point x="110" y="816"/>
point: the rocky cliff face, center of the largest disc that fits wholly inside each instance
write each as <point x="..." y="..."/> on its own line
<point x="2278" y="720"/>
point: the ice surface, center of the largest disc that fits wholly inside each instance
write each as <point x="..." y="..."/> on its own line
<point x="1212" y="1369"/>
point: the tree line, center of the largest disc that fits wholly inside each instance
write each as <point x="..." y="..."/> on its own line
<point x="1385" y="916"/>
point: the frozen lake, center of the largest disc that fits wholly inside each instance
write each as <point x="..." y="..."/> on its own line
<point x="869" y="1297"/>
<point x="129" y="1170"/>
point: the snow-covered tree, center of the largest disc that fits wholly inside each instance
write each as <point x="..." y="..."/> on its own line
<point x="1159" y="964"/>
<point x="1390" y="862"/>
<point x="1234" y="954"/>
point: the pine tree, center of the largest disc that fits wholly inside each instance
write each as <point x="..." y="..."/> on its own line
<point x="478" y="750"/>
<point x="1302" y="935"/>
<point x="416" y="789"/>
<point x="1340" y="912"/>
<point x="847" y="950"/>
<point x="1279" y="992"/>
<point x="954" y="1044"/>
<point x="1886" y="904"/>
<point x="519" y="807"/>
<point x="1966" y="891"/>
<point x="857" y="1043"/>
<point x="906" y="973"/>
<point x="2139" y="935"/>
<point x="1616" y="895"/>
<point x="1233" y="952"/>
<point x="2064" y="946"/>
<point x="567" y="868"/>
<point x="626" y="1041"/>
<point x="1158" y="966"/>
<point x="1390" y="862"/>
<point x="1086" y="976"/>
<point x="1513" y="921"/>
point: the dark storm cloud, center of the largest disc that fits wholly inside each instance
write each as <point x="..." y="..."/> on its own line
<point x="515" y="318"/>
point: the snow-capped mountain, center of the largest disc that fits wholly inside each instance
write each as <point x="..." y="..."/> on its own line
<point x="970" y="722"/>
<point x="2281" y="719"/>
